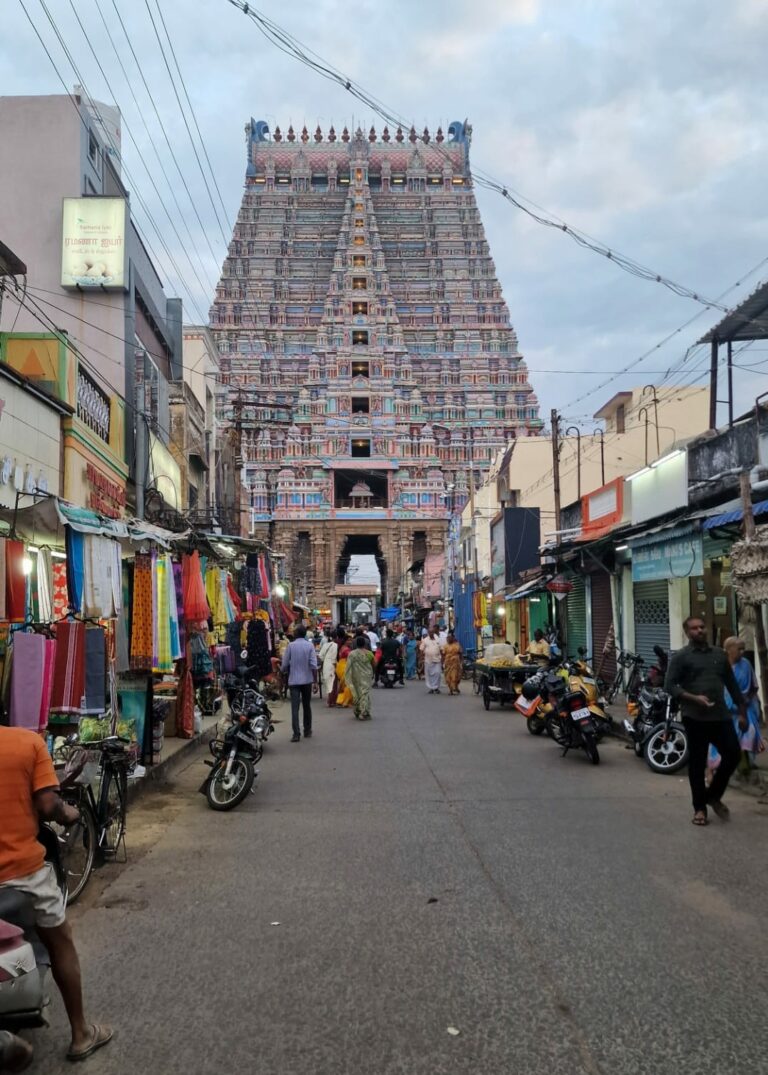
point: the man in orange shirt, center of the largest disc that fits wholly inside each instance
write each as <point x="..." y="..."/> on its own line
<point x="29" y="794"/>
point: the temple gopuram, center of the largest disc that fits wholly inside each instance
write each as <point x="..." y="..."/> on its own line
<point x="369" y="366"/>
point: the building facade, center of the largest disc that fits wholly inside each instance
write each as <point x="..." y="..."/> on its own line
<point x="370" y="371"/>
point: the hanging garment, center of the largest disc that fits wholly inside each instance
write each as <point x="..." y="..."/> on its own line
<point x="45" y="695"/>
<point x="234" y="599"/>
<point x="69" y="668"/>
<point x="263" y="577"/>
<point x="141" y="626"/>
<point x="176" y="651"/>
<point x="15" y="581"/>
<point x="75" y="568"/>
<point x="2" y="580"/>
<point x="45" y="584"/>
<point x="27" y="680"/>
<point x="259" y="654"/>
<point x="116" y="577"/>
<point x="185" y="704"/>
<point x="178" y="584"/>
<point x="98" y="562"/>
<point x="60" y="597"/>
<point x="196" y="608"/>
<point x="163" y="659"/>
<point x="95" y="671"/>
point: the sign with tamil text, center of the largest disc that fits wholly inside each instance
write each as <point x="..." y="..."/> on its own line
<point x="678" y="557"/>
<point x="93" y="243"/>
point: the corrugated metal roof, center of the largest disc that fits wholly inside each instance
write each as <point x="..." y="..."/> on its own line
<point x="734" y="516"/>
<point x="748" y="321"/>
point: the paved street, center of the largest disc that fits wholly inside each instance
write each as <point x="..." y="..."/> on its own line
<point x="435" y="868"/>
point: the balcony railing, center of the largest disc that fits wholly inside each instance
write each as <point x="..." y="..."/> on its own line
<point x="92" y="405"/>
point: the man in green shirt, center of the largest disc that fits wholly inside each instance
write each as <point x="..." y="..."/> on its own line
<point x="697" y="676"/>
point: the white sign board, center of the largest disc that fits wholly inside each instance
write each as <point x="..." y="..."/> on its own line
<point x="93" y="243"/>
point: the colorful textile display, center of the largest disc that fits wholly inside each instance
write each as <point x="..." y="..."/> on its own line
<point x="185" y="704"/>
<point x="98" y="567"/>
<point x="75" y="542"/>
<point x="178" y="584"/>
<point x="2" y="580"/>
<point x="161" y="615"/>
<point x="45" y="696"/>
<point x="60" y="597"/>
<point x="15" y="581"/>
<point x="259" y="655"/>
<point x="45" y="585"/>
<point x="141" y="625"/>
<point x="95" y="671"/>
<point x="27" y="680"/>
<point x="173" y="613"/>
<point x="69" y="668"/>
<point x="196" y="608"/>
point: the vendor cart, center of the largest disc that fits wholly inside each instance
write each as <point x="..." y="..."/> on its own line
<point x="500" y="674"/>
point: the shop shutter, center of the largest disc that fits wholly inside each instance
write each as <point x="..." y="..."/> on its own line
<point x="602" y="621"/>
<point x="576" y="617"/>
<point x="651" y="600"/>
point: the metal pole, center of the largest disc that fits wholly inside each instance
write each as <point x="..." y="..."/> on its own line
<point x="713" y="384"/>
<point x="644" y="412"/>
<point x="555" y="422"/>
<point x="141" y="449"/>
<point x="577" y="431"/>
<point x="730" y="384"/>
<point x="599" y="433"/>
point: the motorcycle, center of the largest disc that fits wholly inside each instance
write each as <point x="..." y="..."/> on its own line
<point x="567" y="717"/>
<point x="389" y="674"/>
<point x="655" y="734"/>
<point x="24" y="960"/>
<point x="233" y="773"/>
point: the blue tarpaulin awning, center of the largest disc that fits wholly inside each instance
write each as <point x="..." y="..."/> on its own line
<point x="735" y="516"/>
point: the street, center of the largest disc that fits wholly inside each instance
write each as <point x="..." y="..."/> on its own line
<point x="435" y="868"/>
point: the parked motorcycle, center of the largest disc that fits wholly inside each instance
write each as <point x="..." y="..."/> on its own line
<point x="233" y="771"/>
<point x="24" y="960"/>
<point x="655" y="734"/>
<point x="568" y="719"/>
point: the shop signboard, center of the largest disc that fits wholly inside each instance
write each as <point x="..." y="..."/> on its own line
<point x="660" y="488"/>
<point x="673" y="556"/>
<point x="93" y="248"/>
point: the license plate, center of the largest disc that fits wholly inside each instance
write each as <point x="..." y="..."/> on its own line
<point x="580" y="714"/>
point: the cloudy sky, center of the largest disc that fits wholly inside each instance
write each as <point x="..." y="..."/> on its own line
<point x="640" y="124"/>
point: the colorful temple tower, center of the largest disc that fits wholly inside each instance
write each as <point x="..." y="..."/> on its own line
<point x="368" y="360"/>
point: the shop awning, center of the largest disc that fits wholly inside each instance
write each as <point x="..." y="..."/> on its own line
<point x="728" y="518"/>
<point x="532" y="586"/>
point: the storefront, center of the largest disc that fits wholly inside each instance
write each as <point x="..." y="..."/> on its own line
<point x="665" y="566"/>
<point x="30" y="438"/>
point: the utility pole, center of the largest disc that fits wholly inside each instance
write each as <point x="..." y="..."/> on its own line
<point x="714" y="353"/>
<point x="555" y="422"/>
<point x="749" y="533"/>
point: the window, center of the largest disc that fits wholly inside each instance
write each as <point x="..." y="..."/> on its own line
<point x="358" y="260"/>
<point x="360" y="308"/>
<point x="361" y="405"/>
<point x="361" y="448"/>
<point x="620" y="419"/>
<point x="359" y="222"/>
<point x="359" y="240"/>
<point x="93" y="148"/>
<point x="359" y="338"/>
<point x="360" y="369"/>
<point x="359" y="283"/>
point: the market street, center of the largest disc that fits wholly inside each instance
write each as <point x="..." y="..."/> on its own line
<point x="437" y="867"/>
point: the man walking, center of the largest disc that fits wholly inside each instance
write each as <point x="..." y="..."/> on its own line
<point x="433" y="659"/>
<point x="300" y="662"/>
<point x="698" y="676"/>
<point x="29" y="794"/>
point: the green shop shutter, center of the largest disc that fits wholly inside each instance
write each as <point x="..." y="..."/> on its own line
<point x="651" y="600"/>
<point x="576" y="617"/>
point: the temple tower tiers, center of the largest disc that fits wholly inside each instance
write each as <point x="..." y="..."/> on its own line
<point x="368" y="359"/>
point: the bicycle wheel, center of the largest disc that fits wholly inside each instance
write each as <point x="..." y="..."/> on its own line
<point x="77" y="848"/>
<point x="113" y="802"/>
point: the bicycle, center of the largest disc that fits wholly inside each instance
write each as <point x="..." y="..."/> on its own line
<point x="625" y="660"/>
<point x="100" y="832"/>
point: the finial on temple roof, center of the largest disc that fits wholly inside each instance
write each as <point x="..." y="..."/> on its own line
<point x="332" y="134"/>
<point x="304" y="134"/>
<point x="318" y="134"/>
<point x="278" y="136"/>
<point x="412" y="136"/>
<point x="291" y="134"/>
<point x="372" y="134"/>
<point x="425" y="135"/>
<point x="385" y="134"/>
<point x="345" y="135"/>
<point x="399" y="135"/>
<point x="440" y="137"/>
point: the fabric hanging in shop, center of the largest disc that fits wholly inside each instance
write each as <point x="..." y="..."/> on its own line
<point x="249" y="578"/>
<point x="141" y="608"/>
<point x="185" y="703"/>
<point x="235" y="600"/>
<point x="178" y="585"/>
<point x="27" y="680"/>
<point x="60" y="597"/>
<point x="163" y="661"/>
<point x="232" y="637"/>
<point x="15" y="581"/>
<point x="75" y="568"/>
<point x="98" y="566"/>
<point x="45" y="696"/>
<point x="95" y="670"/>
<point x="259" y="655"/>
<point x="69" y="667"/>
<point x="45" y="584"/>
<point x="196" y="608"/>
<point x="170" y="582"/>
<point x="2" y="579"/>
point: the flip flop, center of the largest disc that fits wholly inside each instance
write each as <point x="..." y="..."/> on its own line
<point x="700" y="821"/>
<point x="101" y="1036"/>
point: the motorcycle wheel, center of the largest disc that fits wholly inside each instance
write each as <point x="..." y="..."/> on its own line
<point x="224" y="793"/>
<point x="554" y="731"/>
<point x="638" y="748"/>
<point x="487" y="699"/>
<point x="666" y="755"/>
<point x="77" y="849"/>
<point x="388" y="683"/>
<point x="535" y="725"/>
<point x="590" y="747"/>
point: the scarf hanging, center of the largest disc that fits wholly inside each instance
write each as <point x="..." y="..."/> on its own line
<point x="141" y="626"/>
<point x="60" y="595"/>
<point x="170" y="580"/>
<point x="95" y="671"/>
<point x="15" y="581"/>
<point x="3" y="615"/>
<point x="178" y="583"/>
<point x="69" y="668"/>
<point x="75" y="568"/>
<point x="45" y="584"/>
<point x="47" y="689"/>
<point x="196" y="607"/>
<point x="27" y="680"/>
<point x="163" y="661"/>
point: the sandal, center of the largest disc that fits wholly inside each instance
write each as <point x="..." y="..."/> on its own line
<point x="101" y="1036"/>
<point x="700" y="819"/>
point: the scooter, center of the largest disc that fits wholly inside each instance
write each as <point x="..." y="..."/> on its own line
<point x="24" y="960"/>
<point x="389" y="675"/>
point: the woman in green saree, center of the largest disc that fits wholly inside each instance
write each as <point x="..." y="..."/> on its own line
<point x="359" y="678"/>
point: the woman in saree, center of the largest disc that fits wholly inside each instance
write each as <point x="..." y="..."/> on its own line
<point x="359" y="678"/>
<point x="411" y="647"/>
<point x="452" y="663"/>
<point x="341" y="695"/>
<point x="750" y="739"/>
<point x="328" y="656"/>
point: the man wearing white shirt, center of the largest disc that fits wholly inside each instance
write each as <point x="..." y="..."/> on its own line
<point x="374" y="638"/>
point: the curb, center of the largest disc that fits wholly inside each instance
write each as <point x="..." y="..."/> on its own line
<point x="161" y="772"/>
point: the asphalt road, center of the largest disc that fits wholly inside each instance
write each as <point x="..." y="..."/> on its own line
<point x="437" y="867"/>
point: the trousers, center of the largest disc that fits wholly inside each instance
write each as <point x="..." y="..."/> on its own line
<point x="722" y="735"/>
<point x="301" y="695"/>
